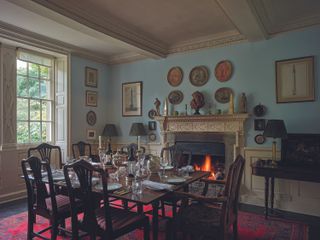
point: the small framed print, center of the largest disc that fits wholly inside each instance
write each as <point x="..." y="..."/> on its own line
<point x="91" y="134"/>
<point x="152" y="137"/>
<point x="132" y="99"/>
<point x="91" y="98"/>
<point x="152" y="125"/>
<point x="259" y="124"/>
<point x="91" y="79"/>
<point x="295" y="80"/>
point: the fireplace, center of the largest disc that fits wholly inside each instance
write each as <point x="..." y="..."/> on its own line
<point x="206" y="156"/>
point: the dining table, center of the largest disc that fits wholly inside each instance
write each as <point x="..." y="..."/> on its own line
<point x="149" y="196"/>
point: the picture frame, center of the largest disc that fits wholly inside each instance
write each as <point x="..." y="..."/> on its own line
<point x="91" y="98"/>
<point x="295" y="80"/>
<point x="259" y="124"/>
<point x="132" y="99"/>
<point x="91" y="79"/>
<point x="91" y="134"/>
<point x="152" y="125"/>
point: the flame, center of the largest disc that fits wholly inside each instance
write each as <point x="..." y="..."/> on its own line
<point x="206" y="166"/>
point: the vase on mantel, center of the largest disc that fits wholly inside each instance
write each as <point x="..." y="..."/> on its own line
<point x="196" y="112"/>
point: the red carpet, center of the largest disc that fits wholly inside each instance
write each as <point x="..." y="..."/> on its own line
<point x="251" y="227"/>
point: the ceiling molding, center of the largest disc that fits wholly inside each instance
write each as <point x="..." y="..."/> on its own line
<point x="216" y="40"/>
<point x="20" y="35"/>
<point x="125" y="58"/>
<point x="112" y="28"/>
<point x="243" y="15"/>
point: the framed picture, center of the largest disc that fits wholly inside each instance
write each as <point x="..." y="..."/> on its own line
<point x="91" y="134"/>
<point x="295" y="80"/>
<point x="91" y="79"/>
<point x="259" y="124"/>
<point x="91" y="98"/>
<point x="132" y="99"/>
<point x="152" y="125"/>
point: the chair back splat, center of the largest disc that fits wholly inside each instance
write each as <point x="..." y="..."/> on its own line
<point x="45" y="152"/>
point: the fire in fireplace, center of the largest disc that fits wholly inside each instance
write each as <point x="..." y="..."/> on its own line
<point x="208" y="165"/>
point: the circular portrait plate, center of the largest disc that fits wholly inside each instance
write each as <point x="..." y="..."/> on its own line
<point x="91" y="118"/>
<point x="259" y="139"/>
<point x="152" y="137"/>
<point x="152" y="113"/>
<point x="222" y="95"/>
<point x="199" y="76"/>
<point x="175" y="97"/>
<point x="175" y="76"/>
<point x="223" y="71"/>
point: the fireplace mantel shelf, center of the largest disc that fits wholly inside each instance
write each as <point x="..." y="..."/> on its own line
<point x="203" y="123"/>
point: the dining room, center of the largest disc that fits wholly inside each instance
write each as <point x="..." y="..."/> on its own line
<point x="165" y="114"/>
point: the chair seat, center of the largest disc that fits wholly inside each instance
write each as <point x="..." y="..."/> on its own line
<point x="121" y="219"/>
<point x="63" y="203"/>
<point x="200" y="218"/>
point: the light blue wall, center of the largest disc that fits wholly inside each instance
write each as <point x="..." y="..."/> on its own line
<point x="254" y="74"/>
<point x="79" y="109"/>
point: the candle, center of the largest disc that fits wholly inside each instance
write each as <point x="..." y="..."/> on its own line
<point x="138" y="143"/>
<point x="100" y="141"/>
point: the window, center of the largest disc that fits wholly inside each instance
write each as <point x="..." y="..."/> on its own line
<point x="35" y="98"/>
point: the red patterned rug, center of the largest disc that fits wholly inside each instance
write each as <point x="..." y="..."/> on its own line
<point x="251" y="227"/>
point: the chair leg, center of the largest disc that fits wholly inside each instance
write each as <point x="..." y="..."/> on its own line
<point x="54" y="230"/>
<point x="31" y="220"/>
<point x="163" y="210"/>
<point x="146" y="230"/>
<point x="235" y="229"/>
<point x="174" y="209"/>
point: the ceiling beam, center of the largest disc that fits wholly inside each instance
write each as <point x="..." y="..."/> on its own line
<point x="245" y="18"/>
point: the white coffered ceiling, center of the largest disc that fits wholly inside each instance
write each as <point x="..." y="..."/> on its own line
<point x="114" y="31"/>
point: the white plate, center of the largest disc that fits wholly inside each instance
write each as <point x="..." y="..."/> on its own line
<point x="167" y="167"/>
<point x="176" y="180"/>
<point x="111" y="186"/>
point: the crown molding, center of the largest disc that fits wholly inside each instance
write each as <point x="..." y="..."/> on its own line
<point x="216" y="40"/>
<point x="125" y="58"/>
<point x="23" y="36"/>
<point x="110" y="27"/>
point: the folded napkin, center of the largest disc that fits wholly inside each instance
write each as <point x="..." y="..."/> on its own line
<point x="157" y="185"/>
<point x="188" y="168"/>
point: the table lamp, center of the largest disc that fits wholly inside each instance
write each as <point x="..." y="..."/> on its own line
<point x="109" y="131"/>
<point x="275" y="129"/>
<point x="137" y="129"/>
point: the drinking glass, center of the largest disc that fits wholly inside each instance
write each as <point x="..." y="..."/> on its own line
<point x="164" y="163"/>
<point x="137" y="186"/>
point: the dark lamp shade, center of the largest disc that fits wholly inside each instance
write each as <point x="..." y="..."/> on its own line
<point x="275" y="129"/>
<point x="110" y="130"/>
<point x="137" y="129"/>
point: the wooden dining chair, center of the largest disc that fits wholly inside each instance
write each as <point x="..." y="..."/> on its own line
<point x="46" y="151"/>
<point x="83" y="149"/>
<point x="203" y="218"/>
<point x="106" y="222"/>
<point x="178" y="159"/>
<point x="42" y="198"/>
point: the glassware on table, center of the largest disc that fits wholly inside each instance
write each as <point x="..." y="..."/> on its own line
<point x="164" y="162"/>
<point x="137" y="186"/>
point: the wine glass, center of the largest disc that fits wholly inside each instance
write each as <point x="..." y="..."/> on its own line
<point x="164" y="162"/>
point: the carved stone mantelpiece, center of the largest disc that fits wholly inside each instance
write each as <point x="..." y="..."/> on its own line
<point x="226" y="124"/>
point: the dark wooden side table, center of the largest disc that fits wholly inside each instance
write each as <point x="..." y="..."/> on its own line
<point x="270" y="172"/>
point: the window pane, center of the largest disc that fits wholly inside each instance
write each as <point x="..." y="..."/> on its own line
<point x="46" y="111"/>
<point x="22" y="109"/>
<point x="33" y="70"/>
<point x="22" y="86"/>
<point x="35" y="132"/>
<point x="34" y="88"/>
<point x="44" y="72"/>
<point x="34" y="109"/>
<point x="22" y="132"/>
<point x="21" y="67"/>
<point x="46" y="132"/>
<point x="45" y="89"/>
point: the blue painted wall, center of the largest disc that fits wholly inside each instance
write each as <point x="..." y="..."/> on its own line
<point x="79" y="109"/>
<point x="254" y="74"/>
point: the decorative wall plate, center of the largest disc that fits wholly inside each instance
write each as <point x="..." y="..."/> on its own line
<point x="152" y="137"/>
<point x="91" y="118"/>
<point x="175" y="97"/>
<point x="175" y="76"/>
<point x="223" y="70"/>
<point x="222" y="95"/>
<point x="259" y="139"/>
<point x="259" y="110"/>
<point x="152" y="113"/>
<point x="199" y="76"/>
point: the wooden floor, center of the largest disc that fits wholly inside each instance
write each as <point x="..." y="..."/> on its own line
<point x="18" y="206"/>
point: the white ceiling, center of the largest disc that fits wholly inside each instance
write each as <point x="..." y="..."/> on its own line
<point x="115" y="31"/>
